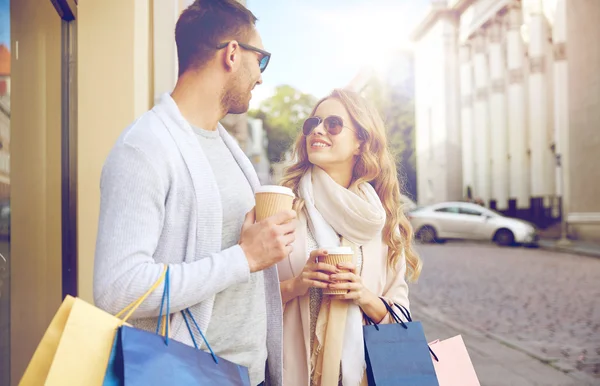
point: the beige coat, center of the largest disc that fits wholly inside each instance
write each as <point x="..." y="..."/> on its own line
<point x="376" y="276"/>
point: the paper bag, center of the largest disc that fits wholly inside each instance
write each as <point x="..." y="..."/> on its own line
<point x="454" y="366"/>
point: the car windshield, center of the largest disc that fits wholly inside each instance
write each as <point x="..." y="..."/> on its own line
<point x="452" y="209"/>
<point x="447" y="209"/>
<point x="493" y="212"/>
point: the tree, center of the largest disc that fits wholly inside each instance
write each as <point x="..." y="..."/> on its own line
<point x="393" y="95"/>
<point x="282" y="116"/>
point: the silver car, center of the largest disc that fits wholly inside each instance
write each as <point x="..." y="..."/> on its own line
<point x="463" y="220"/>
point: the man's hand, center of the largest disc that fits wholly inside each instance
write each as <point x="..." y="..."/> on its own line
<point x="267" y="242"/>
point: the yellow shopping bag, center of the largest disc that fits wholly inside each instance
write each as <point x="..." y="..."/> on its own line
<point x="76" y="347"/>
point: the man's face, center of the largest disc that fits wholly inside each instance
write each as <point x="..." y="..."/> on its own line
<point x="238" y="91"/>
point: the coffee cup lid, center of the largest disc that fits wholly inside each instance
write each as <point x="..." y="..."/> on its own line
<point x="275" y="189"/>
<point x="340" y="251"/>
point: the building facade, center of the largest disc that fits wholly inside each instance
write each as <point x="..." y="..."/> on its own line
<point x="508" y="108"/>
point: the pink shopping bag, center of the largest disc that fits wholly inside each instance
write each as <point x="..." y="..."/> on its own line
<point x="453" y="366"/>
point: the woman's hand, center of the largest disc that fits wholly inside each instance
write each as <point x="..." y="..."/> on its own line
<point x="349" y="280"/>
<point x="314" y="274"/>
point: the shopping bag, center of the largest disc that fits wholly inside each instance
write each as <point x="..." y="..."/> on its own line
<point x="77" y="344"/>
<point x="145" y="358"/>
<point x="397" y="354"/>
<point x="452" y="364"/>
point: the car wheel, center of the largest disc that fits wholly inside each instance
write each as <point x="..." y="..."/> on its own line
<point x="426" y="235"/>
<point x="504" y="237"/>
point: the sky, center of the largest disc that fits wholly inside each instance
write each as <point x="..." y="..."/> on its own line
<point x="318" y="45"/>
<point x="5" y="23"/>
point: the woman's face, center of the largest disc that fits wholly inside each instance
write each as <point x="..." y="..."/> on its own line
<point x="333" y="152"/>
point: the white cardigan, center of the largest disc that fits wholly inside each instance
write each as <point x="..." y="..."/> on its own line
<point x="160" y="204"/>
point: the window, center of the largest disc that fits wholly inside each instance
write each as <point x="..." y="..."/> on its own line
<point x="449" y="209"/>
<point x="471" y="212"/>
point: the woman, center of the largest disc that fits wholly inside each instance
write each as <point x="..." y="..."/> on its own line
<point x="348" y="194"/>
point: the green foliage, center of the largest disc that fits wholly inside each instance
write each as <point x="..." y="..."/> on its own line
<point x="395" y="102"/>
<point x="282" y="116"/>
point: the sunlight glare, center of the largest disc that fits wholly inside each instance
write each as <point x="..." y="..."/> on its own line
<point x="370" y="36"/>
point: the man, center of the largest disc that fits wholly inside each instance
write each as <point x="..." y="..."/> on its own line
<point x="175" y="190"/>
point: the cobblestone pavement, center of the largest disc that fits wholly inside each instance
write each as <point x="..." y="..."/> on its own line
<point x="496" y="363"/>
<point x="546" y="303"/>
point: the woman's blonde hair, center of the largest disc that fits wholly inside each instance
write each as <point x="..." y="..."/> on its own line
<point x="374" y="165"/>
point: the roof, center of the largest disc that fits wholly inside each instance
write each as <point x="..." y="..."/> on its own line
<point x="4" y="60"/>
<point x="438" y="9"/>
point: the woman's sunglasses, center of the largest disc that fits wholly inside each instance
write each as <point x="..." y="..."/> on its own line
<point x="333" y="124"/>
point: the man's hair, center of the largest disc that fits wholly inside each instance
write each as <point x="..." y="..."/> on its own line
<point x="205" y="24"/>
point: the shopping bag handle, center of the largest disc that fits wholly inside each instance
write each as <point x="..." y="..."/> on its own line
<point x="404" y="311"/>
<point x="395" y="316"/>
<point x="408" y="317"/>
<point x="163" y="319"/>
<point x="185" y="318"/>
<point x="130" y="309"/>
<point x="370" y="321"/>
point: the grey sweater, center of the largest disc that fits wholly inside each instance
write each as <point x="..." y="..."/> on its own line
<point x="238" y="327"/>
<point x="160" y="204"/>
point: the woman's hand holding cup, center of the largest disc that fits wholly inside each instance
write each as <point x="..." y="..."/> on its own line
<point x="315" y="273"/>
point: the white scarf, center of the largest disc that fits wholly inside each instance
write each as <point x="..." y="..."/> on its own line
<point x="357" y="215"/>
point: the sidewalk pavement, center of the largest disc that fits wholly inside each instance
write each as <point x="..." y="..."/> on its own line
<point x="497" y="362"/>
<point x="574" y="246"/>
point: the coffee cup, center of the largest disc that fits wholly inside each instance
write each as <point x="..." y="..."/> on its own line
<point x="272" y="199"/>
<point x="335" y="256"/>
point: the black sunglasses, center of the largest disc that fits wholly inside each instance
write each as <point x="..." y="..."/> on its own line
<point x="333" y="124"/>
<point x="262" y="63"/>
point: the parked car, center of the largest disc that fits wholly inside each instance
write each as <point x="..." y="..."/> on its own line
<point x="463" y="220"/>
<point x="407" y="204"/>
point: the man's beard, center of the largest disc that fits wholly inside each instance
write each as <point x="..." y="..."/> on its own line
<point x="236" y="98"/>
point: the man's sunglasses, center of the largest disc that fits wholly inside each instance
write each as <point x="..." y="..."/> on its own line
<point x="264" y="60"/>
<point x="333" y="124"/>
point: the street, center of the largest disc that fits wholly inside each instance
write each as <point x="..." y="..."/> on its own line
<point x="540" y="303"/>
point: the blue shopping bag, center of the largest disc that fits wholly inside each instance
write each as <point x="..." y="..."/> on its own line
<point x="144" y="358"/>
<point x="397" y="354"/>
